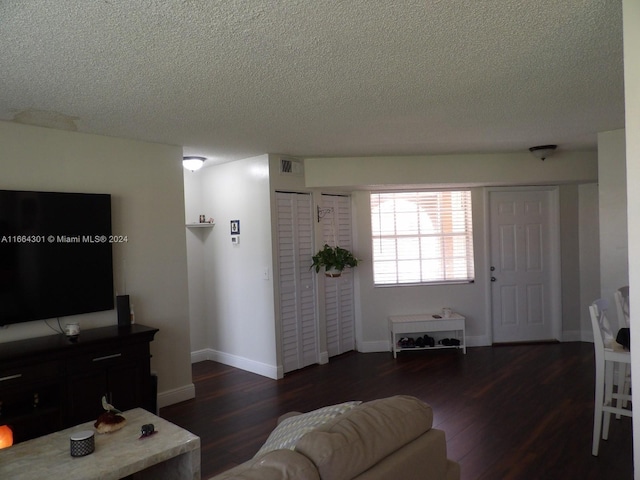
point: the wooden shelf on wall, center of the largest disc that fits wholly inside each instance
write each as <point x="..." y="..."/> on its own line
<point x="200" y="225"/>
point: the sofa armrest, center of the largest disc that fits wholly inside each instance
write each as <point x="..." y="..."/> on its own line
<point x="275" y="465"/>
<point x="425" y="458"/>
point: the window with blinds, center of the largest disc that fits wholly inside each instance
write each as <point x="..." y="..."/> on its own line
<point x="422" y="237"/>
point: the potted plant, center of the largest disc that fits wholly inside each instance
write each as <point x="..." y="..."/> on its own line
<point x="334" y="260"/>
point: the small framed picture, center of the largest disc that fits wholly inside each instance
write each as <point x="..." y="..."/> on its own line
<point x="235" y="227"/>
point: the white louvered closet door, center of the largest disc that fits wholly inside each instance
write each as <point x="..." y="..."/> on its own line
<point x="339" y="303"/>
<point x="298" y="318"/>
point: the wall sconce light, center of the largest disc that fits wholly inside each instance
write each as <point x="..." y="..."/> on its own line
<point x="6" y="436"/>
<point x="543" y="151"/>
<point x="193" y="163"/>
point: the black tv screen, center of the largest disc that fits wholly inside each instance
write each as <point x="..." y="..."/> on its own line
<point x="55" y="255"/>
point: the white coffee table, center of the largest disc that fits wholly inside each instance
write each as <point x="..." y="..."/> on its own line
<point x="171" y="453"/>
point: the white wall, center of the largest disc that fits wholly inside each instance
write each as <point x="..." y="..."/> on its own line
<point x="237" y="319"/>
<point x="589" y="251"/>
<point x="378" y="303"/>
<point x="468" y="169"/>
<point x="145" y="181"/>
<point x="614" y="251"/>
<point x="569" y="204"/>
<point x="196" y="237"/>
<point x="631" y="20"/>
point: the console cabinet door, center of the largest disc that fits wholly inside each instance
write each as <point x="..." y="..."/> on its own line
<point x="30" y="399"/>
<point x="127" y="385"/>
<point x="85" y="396"/>
<point x="119" y="374"/>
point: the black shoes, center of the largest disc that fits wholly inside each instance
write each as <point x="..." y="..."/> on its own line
<point x="427" y="341"/>
<point x="405" y="342"/>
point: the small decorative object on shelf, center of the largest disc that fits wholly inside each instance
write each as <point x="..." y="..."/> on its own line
<point x="111" y="420"/>
<point x="334" y="260"/>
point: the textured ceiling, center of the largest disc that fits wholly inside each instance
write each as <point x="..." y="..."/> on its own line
<point x="233" y="79"/>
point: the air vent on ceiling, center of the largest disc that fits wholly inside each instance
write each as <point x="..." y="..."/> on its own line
<point x="291" y="167"/>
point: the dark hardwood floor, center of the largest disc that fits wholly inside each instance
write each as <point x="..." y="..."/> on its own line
<point x="509" y="412"/>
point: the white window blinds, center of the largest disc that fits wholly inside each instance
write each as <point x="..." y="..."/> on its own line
<point x="422" y="237"/>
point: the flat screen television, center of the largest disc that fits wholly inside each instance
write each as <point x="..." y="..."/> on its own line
<point x="55" y="255"/>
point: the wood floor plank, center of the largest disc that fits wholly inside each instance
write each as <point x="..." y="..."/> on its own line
<point x="509" y="412"/>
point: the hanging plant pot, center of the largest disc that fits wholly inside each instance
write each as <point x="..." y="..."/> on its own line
<point x="334" y="260"/>
<point x="333" y="273"/>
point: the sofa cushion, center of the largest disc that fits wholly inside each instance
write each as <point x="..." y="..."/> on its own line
<point x="287" y="433"/>
<point x="353" y="442"/>
<point x="277" y="465"/>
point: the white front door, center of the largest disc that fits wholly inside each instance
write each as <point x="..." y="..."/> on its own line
<point x="522" y="262"/>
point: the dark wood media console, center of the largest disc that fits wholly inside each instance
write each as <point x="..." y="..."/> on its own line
<point x="50" y="383"/>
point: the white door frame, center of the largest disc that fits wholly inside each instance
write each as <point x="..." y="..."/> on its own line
<point x="554" y="244"/>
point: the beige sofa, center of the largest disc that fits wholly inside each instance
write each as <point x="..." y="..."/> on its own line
<point x="382" y="439"/>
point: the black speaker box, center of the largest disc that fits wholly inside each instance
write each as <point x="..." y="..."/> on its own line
<point x="124" y="311"/>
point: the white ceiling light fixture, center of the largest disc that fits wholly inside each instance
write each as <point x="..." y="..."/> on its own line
<point x="543" y="151"/>
<point x="193" y="163"/>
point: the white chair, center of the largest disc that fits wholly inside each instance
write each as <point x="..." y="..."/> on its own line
<point x="607" y="353"/>
<point x="621" y="297"/>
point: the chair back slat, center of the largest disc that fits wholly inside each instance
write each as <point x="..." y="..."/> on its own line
<point x="600" y="307"/>
<point x="621" y="297"/>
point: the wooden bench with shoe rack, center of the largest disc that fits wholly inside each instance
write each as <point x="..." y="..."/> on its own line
<point x="433" y="331"/>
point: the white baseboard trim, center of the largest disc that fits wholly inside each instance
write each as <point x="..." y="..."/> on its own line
<point x="200" y="355"/>
<point x="586" y="337"/>
<point x="572" y="336"/>
<point x="478" y="341"/>
<point x="270" y="371"/>
<point x="372" y="347"/>
<point x="176" y="395"/>
<point x="324" y="358"/>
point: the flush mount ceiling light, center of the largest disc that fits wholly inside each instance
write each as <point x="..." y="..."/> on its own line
<point x="543" y="151"/>
<point x="193" y="163"/>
